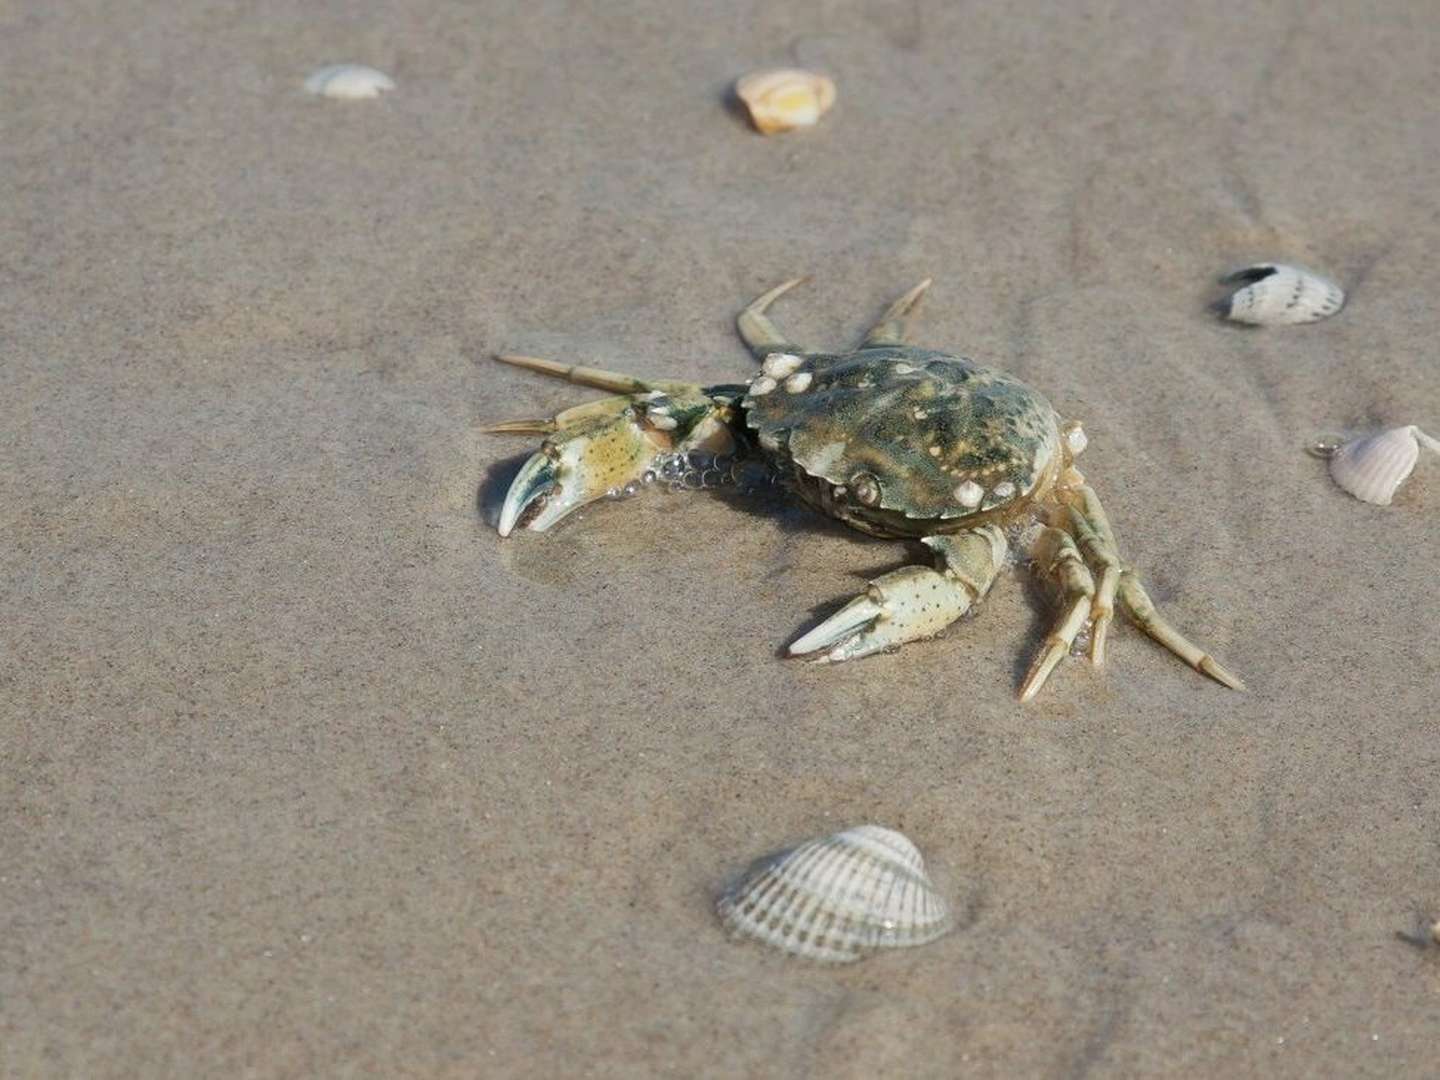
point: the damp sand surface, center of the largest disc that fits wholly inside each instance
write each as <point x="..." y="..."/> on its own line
<point x="307" y="772"/>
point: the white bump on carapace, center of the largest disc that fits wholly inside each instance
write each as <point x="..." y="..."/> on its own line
<point x="969" y="493"/>
<point x="762" y="386"/>
<point x="798" y="383"/>
<point x="778" y="365"/>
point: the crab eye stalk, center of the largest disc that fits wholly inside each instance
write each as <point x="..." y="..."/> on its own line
<point x="866" y="488"/>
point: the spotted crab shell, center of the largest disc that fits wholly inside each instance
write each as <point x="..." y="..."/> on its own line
<point x="1372" y="468"/>
<point x="838" y="897"/>
<point x="938" y="437"/>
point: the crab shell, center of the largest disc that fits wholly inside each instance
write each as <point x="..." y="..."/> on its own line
<point x="900" y="441"/>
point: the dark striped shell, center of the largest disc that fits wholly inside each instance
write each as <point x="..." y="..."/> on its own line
<point x="902" y="441"/>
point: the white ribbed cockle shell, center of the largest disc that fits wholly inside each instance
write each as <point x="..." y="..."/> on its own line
<point x="1373" y="467"/>
<point x="836" y="898"/>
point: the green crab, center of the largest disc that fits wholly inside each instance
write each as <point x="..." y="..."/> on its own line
<point x="894" y="440"/>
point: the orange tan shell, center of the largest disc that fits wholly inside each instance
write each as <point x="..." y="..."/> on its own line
<point x="786" y="99"/>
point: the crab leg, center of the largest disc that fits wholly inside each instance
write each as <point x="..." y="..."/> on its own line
<point x="1058" y="557"/>
<point x="890" y="330"/>
<point x="756" y="329"/>
<point x="601" y="379"/>
<point x="913" y="602"/>
<point x="1097" y="540"/>
<point x="1137" y="604"/>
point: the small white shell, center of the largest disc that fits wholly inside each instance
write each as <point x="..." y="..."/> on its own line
<point x="349" y="82"/>
<point x="786" y="99"/>
<point x="1373" y="468"/>
<point x="1280" y="295"/>
<point x="837" y="897"/>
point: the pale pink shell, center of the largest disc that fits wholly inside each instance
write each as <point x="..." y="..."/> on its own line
<point x="1372" y="468"/>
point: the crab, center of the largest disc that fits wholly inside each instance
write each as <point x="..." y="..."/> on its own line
<point x="894" y="440"/>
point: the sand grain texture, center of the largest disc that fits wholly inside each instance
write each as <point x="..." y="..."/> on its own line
<point x="306" y="772"/>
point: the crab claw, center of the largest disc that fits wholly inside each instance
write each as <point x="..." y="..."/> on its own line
<point x="908" y="604"/>
<point x="571" y="471"/>
<point x="535" y="481"/>
<point x="598" y="454"/>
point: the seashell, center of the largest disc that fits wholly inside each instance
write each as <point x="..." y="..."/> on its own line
<point x="786" y="99"/>
<point x="1372" y="468"/>
<point x="838" y="897"/>
<point x="348" y="81"/>
<point x="1280" y="295"/>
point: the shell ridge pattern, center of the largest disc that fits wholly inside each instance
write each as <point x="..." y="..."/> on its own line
<point x="921" y="422"/>
<point x="838" y="897"/>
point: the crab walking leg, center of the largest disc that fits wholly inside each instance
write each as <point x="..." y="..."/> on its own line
<point x="1057" y="556"/>
<point x="756" y="329"/>
<point x="1097" y="540"/>
<point x="890" y="330"/>
<point x="1137" y="604"/>
<point x="913" y="602"/>
<point x="615" y="381"/>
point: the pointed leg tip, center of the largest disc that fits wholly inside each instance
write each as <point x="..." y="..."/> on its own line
<point x="1212" y="667"/>
<point x="1038" y="675"/>
<point x="1033" y="684"/>
<point x="1097" y="642"/>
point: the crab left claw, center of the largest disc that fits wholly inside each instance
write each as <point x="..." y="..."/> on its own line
<point x="537" y="480"/>
<point x="602" y="447"/>
<point x="578" y="465"/>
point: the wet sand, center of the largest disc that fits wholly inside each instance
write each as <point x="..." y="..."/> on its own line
<point x="307" y="772"/>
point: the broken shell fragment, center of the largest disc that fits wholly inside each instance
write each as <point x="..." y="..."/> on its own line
<point x="786" y="99"/>
<point x="348" y="82"/>
<point x="838" y="897"/>
<point x="1278" y="295"/>
<point x="1373" y="467"/>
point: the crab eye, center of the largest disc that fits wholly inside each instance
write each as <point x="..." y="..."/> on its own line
<point x="1075" y="438"/>
<point x="866" y="488"/>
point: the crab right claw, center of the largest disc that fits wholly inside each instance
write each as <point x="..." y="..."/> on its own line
<point x="911" y="603"/>
<point x="601" y="447"/>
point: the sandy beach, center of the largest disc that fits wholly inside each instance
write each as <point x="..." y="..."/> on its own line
<point x="307" y="772"/>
